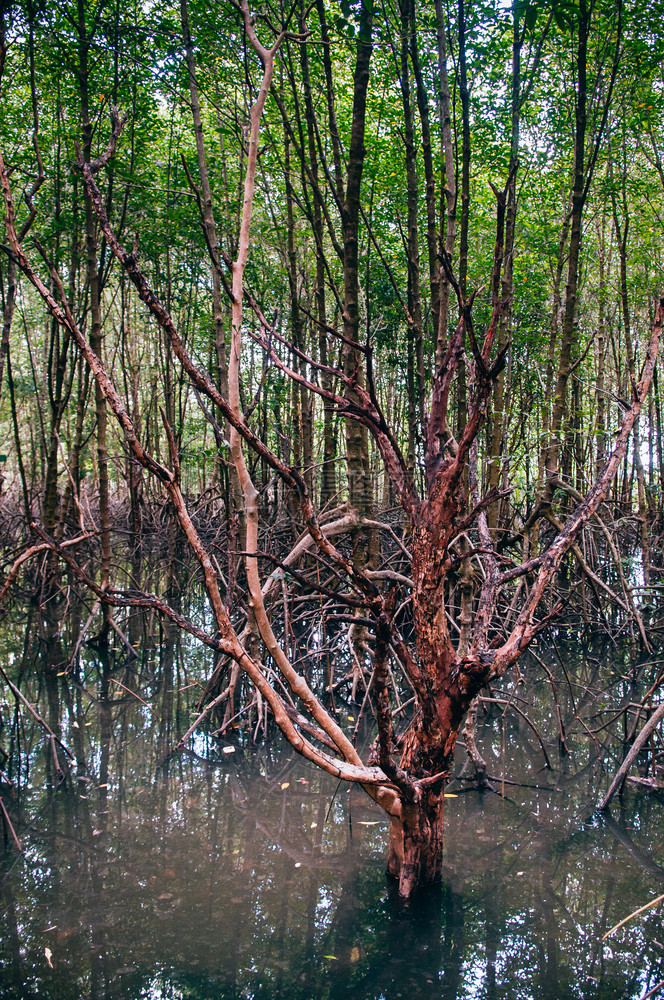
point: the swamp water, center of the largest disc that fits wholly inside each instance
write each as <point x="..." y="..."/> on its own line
<point x="236" y="870"/>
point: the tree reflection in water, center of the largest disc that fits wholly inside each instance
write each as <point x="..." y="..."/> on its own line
<point x="249" y="874"/>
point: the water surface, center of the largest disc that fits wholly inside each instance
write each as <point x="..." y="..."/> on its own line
<point x="237" y="870"/>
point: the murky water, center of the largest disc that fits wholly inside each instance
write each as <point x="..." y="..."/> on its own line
<point x="234" y="870"/>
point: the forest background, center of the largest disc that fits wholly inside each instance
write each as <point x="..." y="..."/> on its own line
<point x="392" y="138"/>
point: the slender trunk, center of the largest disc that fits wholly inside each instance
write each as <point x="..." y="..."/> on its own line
<point x="234" y="493"/>
<point x="9" y="290"/>
<point x="600" y="405"/>
<point x="622" y="231"/>
<point x="498" y="422"/>
<point x="583" y="173"/>
<point x="135" y="469"/>
<point x="462" y="391"/>
<point x="302" y="422"/>
<point x="357" y="451"/>
<point x="295" y="314"/>
<point x="328" y="477"/>
<point x="96" y="327"/>
<point x="448" y="186"/>
<point x="429" y="174"/>
<point x="206" y="196"/>
<point x="659" y="427"/>
<point x="415" y="361"/>
<point x="73" y="490"/>
<point x="17" y="442"/>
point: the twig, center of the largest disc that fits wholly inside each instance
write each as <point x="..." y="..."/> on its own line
<point x="653" y="902"/>
<point x="137" y="696"/>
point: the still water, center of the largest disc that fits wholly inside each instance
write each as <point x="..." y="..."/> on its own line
<point x="235" y="870"/>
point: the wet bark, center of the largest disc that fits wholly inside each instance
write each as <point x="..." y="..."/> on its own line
<point x="415" y="849"/>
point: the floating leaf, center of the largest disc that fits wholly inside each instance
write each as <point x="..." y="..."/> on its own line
<point x="76" y="725"/>
<point x="332" y="958"/>
<point x="354" y="954"/>
<point x="298" y="864"/>
<point x="49" y="956"/>
<point x="97" y="833"/>
<point x="451" y="795"/>
<point x="285" y="784"/>
<point x="351" y="718"/>
<point x="313" y="826"/>
<point x="229" y="749"/>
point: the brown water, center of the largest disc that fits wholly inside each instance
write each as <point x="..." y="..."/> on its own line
<point x="216" y="874"/>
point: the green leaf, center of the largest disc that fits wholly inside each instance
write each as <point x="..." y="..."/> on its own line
<point x="530" y="16"/>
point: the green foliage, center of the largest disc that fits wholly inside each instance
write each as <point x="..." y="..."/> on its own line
<point x="91" y="56"/>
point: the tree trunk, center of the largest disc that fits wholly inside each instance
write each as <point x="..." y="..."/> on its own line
<point x="357" y="445"/>
<point x="415" y="850"/>
<point x="600" y="404"/>
<point x="462" y="400"/>
<point x="429" y="175"/>
<point x="415" y="365"/>
<point x="234" y="492"/>
<point x="328" y="477"/>
<point x="448" y="197"/>
<point x="96" y="322"/>
<point x="622" y="231"/>
<point x="498" y="421"/>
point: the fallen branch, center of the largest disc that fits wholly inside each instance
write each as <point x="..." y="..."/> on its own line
<point x="621" y="773"/>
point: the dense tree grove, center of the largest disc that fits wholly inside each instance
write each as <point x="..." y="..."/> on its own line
<point x="361" y="301"/>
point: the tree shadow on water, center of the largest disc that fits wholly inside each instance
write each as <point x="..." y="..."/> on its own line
<point x="413" y="949"/>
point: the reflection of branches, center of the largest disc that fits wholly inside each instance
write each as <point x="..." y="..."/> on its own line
<point x="33" y="551"/>
<point x="307" y="853"/>
<point x="24" y="701"/>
